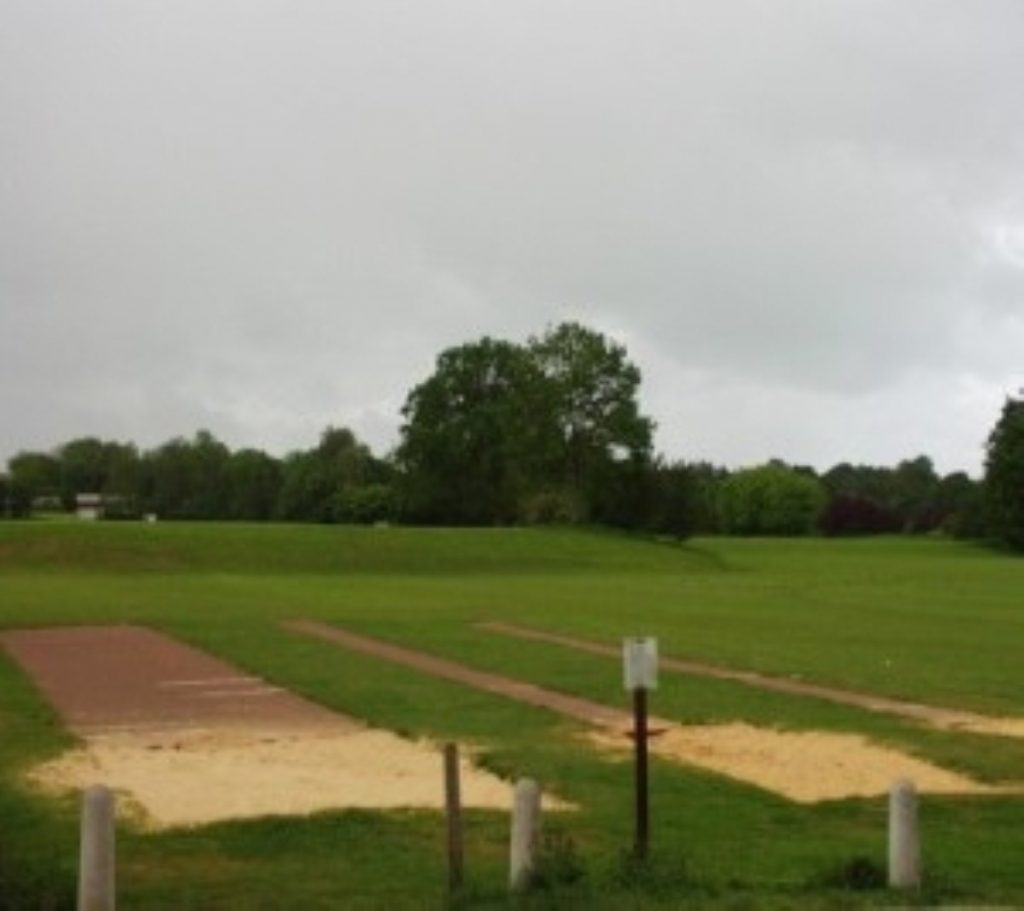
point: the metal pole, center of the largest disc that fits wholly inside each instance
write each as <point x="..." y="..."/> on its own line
<point x="640" y="750"/>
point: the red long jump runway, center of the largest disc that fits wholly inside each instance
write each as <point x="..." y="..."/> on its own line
<point x="190" y="739"/>
<point x="111" y="678"/>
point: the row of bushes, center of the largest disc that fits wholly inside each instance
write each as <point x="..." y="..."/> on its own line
<point x="340" y="481"/>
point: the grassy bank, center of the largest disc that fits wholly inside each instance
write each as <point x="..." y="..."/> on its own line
<point x="923" y="619"/>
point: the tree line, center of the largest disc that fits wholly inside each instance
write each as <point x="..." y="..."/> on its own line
<point x="545" y="432"/>
<point x="338" y="480"/>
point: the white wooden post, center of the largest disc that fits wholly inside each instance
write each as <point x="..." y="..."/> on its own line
<point x="525" y="840"/>
<point x="904" y="841"/>
<point x="96" y="868"/>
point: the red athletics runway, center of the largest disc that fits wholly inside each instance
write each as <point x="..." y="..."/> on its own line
<point x="112" y="678"/>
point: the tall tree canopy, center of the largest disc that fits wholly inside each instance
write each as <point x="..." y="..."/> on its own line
<point x="911" y="497"/>
<point x="1004" y="475"/>
<point x="35" y="474"/>
<point x="339" y="480"/>
<point x="318" y="482"/>
<point x="188" y="479"/>
<point x="771" y="499"/>
<point x="254" y="482"/>
<point x="547" y="431"/>
<point x="479" y="435"/>
<point x="592" y="388"/>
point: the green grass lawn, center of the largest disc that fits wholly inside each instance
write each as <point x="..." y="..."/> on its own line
<point x="924" y="619"/>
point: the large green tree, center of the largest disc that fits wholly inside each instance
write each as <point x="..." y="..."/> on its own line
<point x="592" y="388"/>
<point x="123" y="480"/>
<point x="84" y="465"/>
<point x="911" y="497"/>
<point x="479" y="436"/>
<point x="318" y="484"/>
<point x="771" y="499"/>
<point x="915" y="490"/>
<point x="188" y="479"/>
<point x="83" y="468"/>
<point x="15" y="501"/>
<point x="254" y="482"/>
<point x="35" y="474"/>
<point x="1004" y="475"/>
<point x="547" y="431"/>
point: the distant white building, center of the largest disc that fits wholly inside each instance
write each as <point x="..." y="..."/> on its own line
<point x="89" y="506"/>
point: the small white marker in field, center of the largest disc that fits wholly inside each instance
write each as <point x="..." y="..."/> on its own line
<point x="640" y="663"/>
<point x="640" y="674"/>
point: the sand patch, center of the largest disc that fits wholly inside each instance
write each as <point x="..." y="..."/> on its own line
<point x="187" y="738"/>
<point x="804" y="766"/>
<point x="191" y="777"/>
<point x="970" y="723"/>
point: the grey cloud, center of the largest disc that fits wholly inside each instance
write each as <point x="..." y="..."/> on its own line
<point x="267" y="216"/>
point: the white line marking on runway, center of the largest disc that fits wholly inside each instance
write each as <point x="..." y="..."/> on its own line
<point x="228" y="694"/>
<point x="210" y="681"/>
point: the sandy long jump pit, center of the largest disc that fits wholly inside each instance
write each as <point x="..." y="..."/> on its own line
<point x="191" y="739"/>
<point x="803" y="766"/>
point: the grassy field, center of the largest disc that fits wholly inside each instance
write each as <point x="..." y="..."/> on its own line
<point x="925" y="619"/>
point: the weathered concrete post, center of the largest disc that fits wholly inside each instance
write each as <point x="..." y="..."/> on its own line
<point x="453" y="812"/>
<point x="904" y="841"/>
<point x="525" y="834"/>
<point x="96" y="876"/>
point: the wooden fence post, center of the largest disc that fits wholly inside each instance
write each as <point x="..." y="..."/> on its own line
<point x="904" y="840"/>
<point x="453" y="813"/>
<point x="643" y="813"/>
<point x="96" y="867"/>
<point x="525" y="840"/>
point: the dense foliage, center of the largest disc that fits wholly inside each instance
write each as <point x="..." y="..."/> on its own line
<point x="201" y="478"/>
<point x="911" y="497"/>
<point x="545" y="432"/>
<point x="770" y="500"/>
<point x="550" y="431"/>
<point x="480" y="436"/>
<point x="1004" y="475"/>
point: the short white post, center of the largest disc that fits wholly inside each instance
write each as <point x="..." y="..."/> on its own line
<point x="96" y="875"/>
<point x="904" y="841"/>
<point x="525" y="834"/>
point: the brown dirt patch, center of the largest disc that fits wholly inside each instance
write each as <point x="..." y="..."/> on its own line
<point x="803" y="766"/>
<point x="191" y="739"/>
<point x="936" y="716"/>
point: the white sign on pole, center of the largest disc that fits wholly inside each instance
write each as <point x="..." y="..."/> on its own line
<point x="640" y="662"/>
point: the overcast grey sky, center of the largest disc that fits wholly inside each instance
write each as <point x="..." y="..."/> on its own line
<point x="805" y="220"/>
